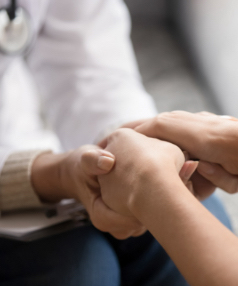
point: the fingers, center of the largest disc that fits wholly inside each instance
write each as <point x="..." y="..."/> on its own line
<point x="97" y="161"/>
<point x="205" y="113"/>
<point x="191" y="132"/>
<point x="202" y="187"/>
<point x="106" y="220"/>
<point x="134" y="124"/>
<point x="189" y="167"/>
<point x="219" y="176"/>
<point x="229" y="117"/>
<point x="175" y="127"/>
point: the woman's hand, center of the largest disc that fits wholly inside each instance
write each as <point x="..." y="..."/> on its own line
<point x="208" y="137"/>
<point x="143" y="166"/>
<point x="74" y="175"/>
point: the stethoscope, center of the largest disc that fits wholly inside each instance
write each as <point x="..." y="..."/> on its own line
<point x="16" y="34"/>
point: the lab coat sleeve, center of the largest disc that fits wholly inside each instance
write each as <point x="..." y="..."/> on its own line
<point x="85" y="69"/>
<point x="16" y="191"/>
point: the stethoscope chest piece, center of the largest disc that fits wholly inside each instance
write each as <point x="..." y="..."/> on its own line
<point x="15" y="34"/>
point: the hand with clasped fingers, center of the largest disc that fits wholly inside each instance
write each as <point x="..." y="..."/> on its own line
<point x="145" y="183"/>
<point x="140" y="161"/>
<point x="74" y="175"/>
<point x="207" y="137"/>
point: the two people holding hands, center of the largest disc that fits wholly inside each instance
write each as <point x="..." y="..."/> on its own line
<point x="152" y="176"/>
<point x="147" y="183"/>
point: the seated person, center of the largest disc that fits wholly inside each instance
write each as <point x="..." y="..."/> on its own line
<point x="83" y="67"/>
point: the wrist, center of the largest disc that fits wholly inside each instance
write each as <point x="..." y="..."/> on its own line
<point x="45" y="177"/>
<point x="160" y="191"/>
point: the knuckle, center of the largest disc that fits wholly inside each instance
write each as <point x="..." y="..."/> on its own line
<point x="158" y="120"/>
<point x="87" y="155"/>
<point x="120" y="133"/>
<point x="165" y="116"/>
<point x="87" y="147"/>
<point x="90" y="152"/>
<point x="114" y="134"/>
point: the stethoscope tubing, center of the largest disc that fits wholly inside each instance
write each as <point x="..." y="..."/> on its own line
<point x="12" y="9"/>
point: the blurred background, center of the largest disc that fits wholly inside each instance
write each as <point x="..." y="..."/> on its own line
<point x="187" y="51"/>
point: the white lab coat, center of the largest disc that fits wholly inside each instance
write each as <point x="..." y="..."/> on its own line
<point x="85" y="77"/>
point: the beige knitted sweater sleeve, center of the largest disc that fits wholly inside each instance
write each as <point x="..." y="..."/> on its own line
<point x="16" y="191"/>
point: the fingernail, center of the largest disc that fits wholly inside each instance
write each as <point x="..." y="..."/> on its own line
<point x="228" y="117"/>
<point x="105" y="163"/>
<point x="207" y="168"/>
<point x="107" y="153"/>
<point x="225" y="116"/>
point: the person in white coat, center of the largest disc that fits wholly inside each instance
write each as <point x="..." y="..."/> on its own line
<point x="85" y="82"/>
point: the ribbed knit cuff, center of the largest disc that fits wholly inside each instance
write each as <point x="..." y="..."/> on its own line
<point x="16" y="191"/>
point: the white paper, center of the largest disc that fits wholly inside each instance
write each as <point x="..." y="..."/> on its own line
<point x="19" y="224"/>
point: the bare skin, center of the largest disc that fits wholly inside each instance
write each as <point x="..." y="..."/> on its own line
<point x="147" y="186"/>
<point x="210" y="138"/>
<point x="74" y="175"/>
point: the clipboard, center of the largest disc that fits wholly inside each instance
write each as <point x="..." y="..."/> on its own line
<point x="35" y="224"/>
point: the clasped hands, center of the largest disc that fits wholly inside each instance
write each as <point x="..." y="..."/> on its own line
<point x="145" y="165"/>
<point x="114" y="180"/>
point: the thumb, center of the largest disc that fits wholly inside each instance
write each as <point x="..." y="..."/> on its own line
<point x="189" y="167"/>
<point x="97" y="162"/>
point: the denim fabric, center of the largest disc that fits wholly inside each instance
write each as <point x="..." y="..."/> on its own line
<point x="87" y="257"/>
<point x="81" y="257"/>
<point x="145" y="263"/>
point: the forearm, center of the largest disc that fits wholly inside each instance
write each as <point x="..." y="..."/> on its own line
<point x="205" y="251"/>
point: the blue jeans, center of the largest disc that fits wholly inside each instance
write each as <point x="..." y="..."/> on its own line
<point x="87" y="257"/>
